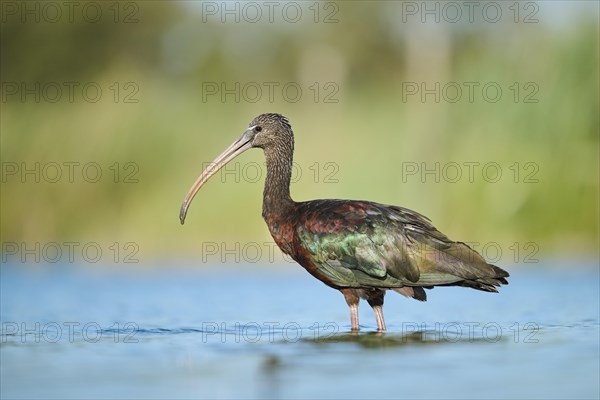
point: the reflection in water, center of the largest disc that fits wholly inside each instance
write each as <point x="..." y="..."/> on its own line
<point x="375" y="340"/>
<point x="270" y="374"/>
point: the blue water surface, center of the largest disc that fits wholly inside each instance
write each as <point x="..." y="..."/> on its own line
<point x="175" y="331"/>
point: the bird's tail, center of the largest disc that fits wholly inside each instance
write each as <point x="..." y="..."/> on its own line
<point x="487" y="283"/>
<point x="457" y="264"/>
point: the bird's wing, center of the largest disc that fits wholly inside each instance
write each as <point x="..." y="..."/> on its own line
<point x="364" y="244"/>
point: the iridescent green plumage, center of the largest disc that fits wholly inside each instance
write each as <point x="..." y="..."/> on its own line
<point x="361" y="244"/>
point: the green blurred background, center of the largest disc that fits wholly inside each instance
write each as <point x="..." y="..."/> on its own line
<point x="358" y="131"/>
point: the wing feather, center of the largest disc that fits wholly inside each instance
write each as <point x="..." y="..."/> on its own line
<point x="364" y="244"/>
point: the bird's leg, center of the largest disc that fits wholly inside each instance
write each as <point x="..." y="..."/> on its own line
<point x="375" y="299"/>
<point x="352" y="301"/>
<point x="379" y="317"/>
<point x="354" y="316"/>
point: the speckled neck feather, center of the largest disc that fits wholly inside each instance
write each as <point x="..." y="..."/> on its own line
<point x="276" y="195"/>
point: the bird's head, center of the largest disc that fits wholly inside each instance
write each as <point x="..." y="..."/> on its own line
<point x="269" y="132"/>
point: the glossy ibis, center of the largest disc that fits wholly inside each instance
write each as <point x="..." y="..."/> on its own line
<point x="360" y="248"/>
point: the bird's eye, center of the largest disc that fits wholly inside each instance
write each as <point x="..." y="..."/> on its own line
<point x="258" y="129"/>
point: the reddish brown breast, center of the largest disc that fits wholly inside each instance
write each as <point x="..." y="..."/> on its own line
<point x="282" y="231"/>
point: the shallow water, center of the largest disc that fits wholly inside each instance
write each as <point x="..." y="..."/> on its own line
<point x="252" y="332"/>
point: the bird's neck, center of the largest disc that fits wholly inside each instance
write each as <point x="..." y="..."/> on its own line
<point x="276" y="196"/>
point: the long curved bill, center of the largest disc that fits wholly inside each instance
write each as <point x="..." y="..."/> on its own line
<point x="236" y="148"/>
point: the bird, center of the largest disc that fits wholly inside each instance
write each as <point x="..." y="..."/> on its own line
<point x="361" y="248"/>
